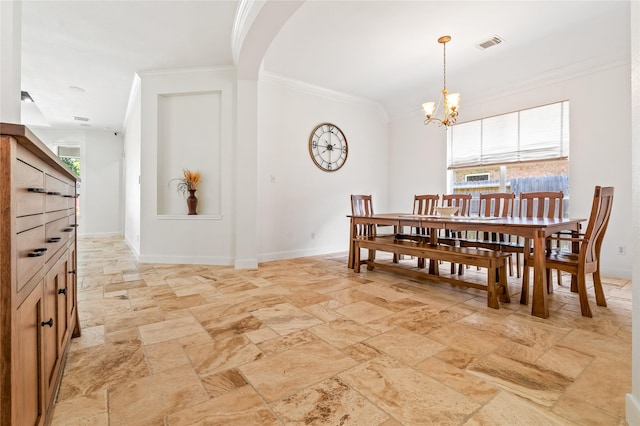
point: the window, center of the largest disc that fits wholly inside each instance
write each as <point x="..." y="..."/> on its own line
<point x="522" y="151"/>
<point x="70" y="155"/>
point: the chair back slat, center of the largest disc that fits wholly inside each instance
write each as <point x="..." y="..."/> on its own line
<point x="425" y="204"/>
<point x="462" y="201"/>
<point x="362" y="205"/>
<point x="541" y="204"/>
<point x="497" y="204"/>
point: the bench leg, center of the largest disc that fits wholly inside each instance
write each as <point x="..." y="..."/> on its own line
<point x="503" y="285"/>
<point x="492" y="295"/>
<point x="372" y="257"/>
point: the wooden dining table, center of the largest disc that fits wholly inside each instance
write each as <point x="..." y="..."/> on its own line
<point x="535" y="229"/>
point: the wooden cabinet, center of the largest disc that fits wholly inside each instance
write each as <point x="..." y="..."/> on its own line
<point x="38" y="285"/>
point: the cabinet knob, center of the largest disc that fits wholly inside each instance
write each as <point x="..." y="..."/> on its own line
<point x="62" y="291"/>
<point x="49" y="323"/>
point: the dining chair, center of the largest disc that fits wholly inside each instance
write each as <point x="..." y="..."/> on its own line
<point x="452" y="238"/>
<point x="540" y="204"/>
<point x="495" y="204"/>
<point x="584" y="256"/>
<point x="362" y="205"/>
<point x="424" y="205"/>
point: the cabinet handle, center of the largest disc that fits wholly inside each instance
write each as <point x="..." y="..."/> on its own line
<point x="49" y="323"/>
<point x="53" y="193"/>
<point x="73" y="271"/>
<point x="53" y="240"/>
<point x="62" y="291"/>
<point x="74" y="225"/>
<point x="37" y="190"/>
<point x="37" y="252"/>
<point x="67" y="230"/>
<point x="69" y="196"/>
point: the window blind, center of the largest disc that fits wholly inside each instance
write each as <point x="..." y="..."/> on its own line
<point x="534" y="134"/>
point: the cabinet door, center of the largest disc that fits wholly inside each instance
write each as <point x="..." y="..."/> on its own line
<point x="54" y="305"/>
<point x="28" y="408"/>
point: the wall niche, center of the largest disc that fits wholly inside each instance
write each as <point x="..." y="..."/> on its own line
<point x="189" y="137"/>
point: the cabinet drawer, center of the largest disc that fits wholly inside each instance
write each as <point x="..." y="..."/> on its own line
<point x="56" y="194"/>
<point x="71" y="200"/>
<point x="31" y="254"/>
<point x="58" y="233"/>
<point x="30" y="189"/>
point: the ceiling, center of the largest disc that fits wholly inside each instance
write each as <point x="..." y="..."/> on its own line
<point x="79" y="58"/>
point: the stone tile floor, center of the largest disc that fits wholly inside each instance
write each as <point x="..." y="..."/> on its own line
<point x="307" y="341"/>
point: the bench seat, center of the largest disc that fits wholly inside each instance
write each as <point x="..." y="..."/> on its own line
<point x="494" y="261"/>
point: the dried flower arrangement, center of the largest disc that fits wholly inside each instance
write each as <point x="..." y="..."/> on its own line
<point x="188" y="182"/>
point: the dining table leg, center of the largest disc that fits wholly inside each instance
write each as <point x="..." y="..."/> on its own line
<point x="351" y="244"/>
<point x="433" y="264"/>
<point x="539" y="305"/>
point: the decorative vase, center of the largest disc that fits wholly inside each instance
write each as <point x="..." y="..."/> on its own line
<point x="192" y="202"/>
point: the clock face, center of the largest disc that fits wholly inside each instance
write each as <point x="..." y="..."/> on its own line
<point x="328" y="147"/>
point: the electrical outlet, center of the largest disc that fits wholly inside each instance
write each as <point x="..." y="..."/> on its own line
<point x="622" y="250"/>
<point x="313" y="235"/>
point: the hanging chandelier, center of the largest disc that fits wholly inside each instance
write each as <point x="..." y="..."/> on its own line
<point x="451" y="101"/>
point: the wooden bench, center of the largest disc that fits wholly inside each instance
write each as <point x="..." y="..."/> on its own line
<point x="494" y="261"/>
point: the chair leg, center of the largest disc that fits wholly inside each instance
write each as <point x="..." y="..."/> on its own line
<point x="549" y="282"/>
<point x="582" y="293"/>
<point x="559" y="277"/>
<point x="597" y="286"/>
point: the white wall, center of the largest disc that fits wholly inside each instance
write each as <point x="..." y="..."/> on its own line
<point x="132" y="146"/>
<point x="205" y="239"/>
<point x="600" y="150"/>
<point x="101" y="189"/>
<point x="302" y="209"/>
<point x="417" y="160"/>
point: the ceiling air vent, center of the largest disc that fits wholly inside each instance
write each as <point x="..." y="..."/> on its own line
<point x="76" y="118"/>
<point x="491" y="41"/>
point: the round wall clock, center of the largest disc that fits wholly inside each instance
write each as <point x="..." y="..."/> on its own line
<point x="328" y="147"/>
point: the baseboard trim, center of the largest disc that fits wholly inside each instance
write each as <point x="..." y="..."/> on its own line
<point x="186" y="260"/>
<point x="633" y="410"/>
<point x="246" y="264"/>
